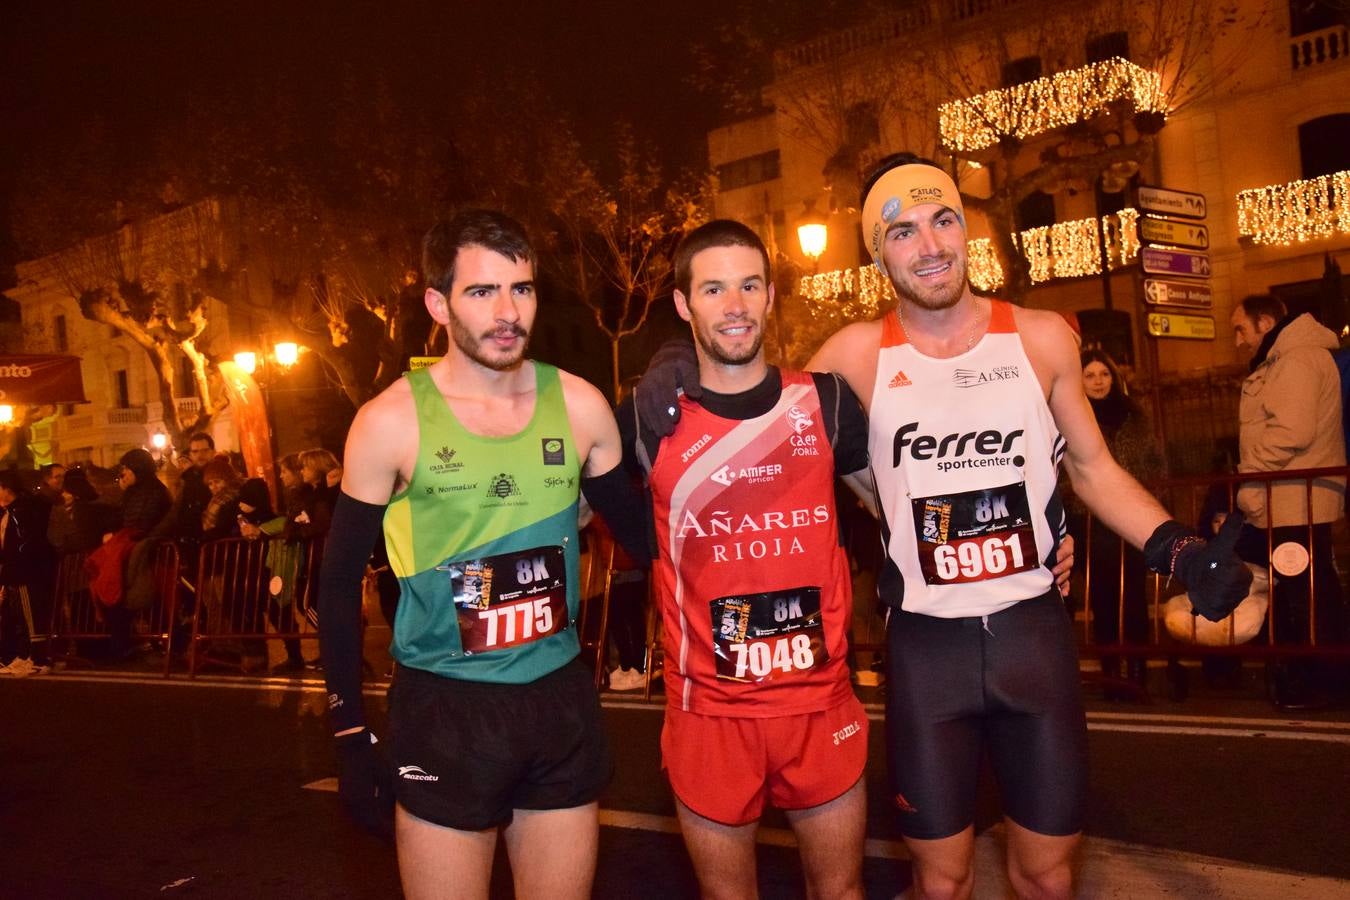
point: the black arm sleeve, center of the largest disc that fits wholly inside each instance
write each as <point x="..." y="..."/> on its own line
<point x="845" y="422"/>
<point x="617" y="499"/>
<point x="356" y="525"/>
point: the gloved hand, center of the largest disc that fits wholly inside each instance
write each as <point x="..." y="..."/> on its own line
<point x="365" y="783"/>
<point x="673" y="367"/>
<point x="1215" y="578"/>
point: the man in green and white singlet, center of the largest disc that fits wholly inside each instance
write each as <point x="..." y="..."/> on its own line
<point x="473" y="467"/>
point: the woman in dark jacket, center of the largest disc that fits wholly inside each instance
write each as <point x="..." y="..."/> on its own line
<point x="145" y="499"/>
<point x="1117" y="568"/>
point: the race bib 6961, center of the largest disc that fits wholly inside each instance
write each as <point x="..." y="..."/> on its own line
<point x="975" y="535"/>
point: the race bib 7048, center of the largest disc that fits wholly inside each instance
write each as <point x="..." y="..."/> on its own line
<point x="975" y="535"/>
<point x="511" y="599"/>
<point x="761" y="637"/>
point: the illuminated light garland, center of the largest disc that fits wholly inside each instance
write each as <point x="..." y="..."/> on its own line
<point x="1073" y="249"/>
<point x="1026" y="110"/>
<point x="982" y="265"/>
<point x="1296" y="212"/>
<point x="1063" y="250"/>
<point x="864" y="291"/>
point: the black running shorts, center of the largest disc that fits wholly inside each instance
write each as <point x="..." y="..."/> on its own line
<point x="467" y="753"/>
<point x="1006" y="682"/>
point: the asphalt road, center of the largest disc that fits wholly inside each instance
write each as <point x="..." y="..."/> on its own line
<point x="125" y="785"/>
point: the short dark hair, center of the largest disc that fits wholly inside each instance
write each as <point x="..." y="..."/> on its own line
<point x="488" y="228"/>
<point x="894" y="161"/>
<point x="1257" y="305"/>
<point x="10" y="481"/>
<point x="202" y="436"/>
<point x="49" y="468"/>
<point x="717" y="233"/>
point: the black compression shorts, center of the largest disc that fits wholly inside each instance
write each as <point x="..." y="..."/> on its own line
<point x="466" y="753"/>
<point x="1008" y="682"/>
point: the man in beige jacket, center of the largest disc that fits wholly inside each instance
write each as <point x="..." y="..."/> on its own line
<point x="1290" y="418"/>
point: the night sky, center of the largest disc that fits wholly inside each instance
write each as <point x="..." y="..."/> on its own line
<point x="122" y="66"/>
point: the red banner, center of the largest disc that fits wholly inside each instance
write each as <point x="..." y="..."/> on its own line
<point x="33" y="379"/>
<point x="248" y="407"/>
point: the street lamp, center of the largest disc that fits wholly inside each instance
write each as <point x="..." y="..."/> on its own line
<point x="6" y="414"/>
<point x="246" y="360"/>
<point x="286" y="353"/>
<point x="812" y="233"/>
<point x="159" y="440"/>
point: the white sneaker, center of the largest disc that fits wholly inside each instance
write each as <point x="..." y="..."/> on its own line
<point x="626" y="680"/>
<point x="21" y="667"/>
<point x="5" y="669"/>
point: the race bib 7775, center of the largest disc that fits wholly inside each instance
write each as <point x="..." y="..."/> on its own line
<point x="510" y="599"/>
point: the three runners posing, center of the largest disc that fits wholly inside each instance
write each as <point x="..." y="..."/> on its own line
<point x="478" y="460"/>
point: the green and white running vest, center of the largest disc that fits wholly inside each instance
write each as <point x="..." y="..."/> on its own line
<point x="484" y="543"/>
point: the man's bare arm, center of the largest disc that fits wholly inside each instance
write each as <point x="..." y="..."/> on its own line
<point x="1111" y="493"/>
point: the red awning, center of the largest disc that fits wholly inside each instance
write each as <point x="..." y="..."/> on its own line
<point x="32" y="379"/>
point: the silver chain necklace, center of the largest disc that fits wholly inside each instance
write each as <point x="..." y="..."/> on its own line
<point x="970" y="338"/>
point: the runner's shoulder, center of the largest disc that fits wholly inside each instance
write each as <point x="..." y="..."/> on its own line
<point x="581" y="396"/>
<point x="1045" y="335"/>
<point x="850" y="344"/>
<point x="387" y="409"/>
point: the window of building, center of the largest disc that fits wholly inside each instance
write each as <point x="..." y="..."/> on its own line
<point x="1035" y="211"/>
<point x="1020" y="71"/>
<point x="187" y="379"/>
<point x="1324" y="145"/>
<point x="1111" y="203"/>
<point x="59" y="335"/>
<point x="1312" y="15"/>
<point x="748" y="170"/>
<point x="1105" y="46"/>
<point x="121" y="389"/>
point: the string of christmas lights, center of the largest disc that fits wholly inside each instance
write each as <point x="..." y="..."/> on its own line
<point x="864" y="287"/>
<point x="982" y="265"/>
<point x="1025" y="110"/>
<point x="1063" y="250"/>
<point x="1296" y="212"/>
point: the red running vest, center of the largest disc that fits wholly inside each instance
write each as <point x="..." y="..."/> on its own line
<point x="755" y="591"/>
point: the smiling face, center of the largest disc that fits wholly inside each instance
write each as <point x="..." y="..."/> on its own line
<point x="924" y="252"/>
<point x="1096" y="380"/>
<point x="729" y="297"/>
<point x="489" y="308"/>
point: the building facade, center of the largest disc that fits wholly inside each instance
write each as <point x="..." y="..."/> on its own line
<point x="1248" y="106"/>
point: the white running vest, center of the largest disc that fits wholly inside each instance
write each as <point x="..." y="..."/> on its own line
<point x="965" y="454"/>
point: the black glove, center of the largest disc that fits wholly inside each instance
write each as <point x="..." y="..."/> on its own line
<point x="365" y="783"/>
<point x="674" y="367"/>
<point x="1216" y="580"/>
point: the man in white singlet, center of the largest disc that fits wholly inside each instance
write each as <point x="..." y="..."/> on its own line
<point x="973" y="404"/>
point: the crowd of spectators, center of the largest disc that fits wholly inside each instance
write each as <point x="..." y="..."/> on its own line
<point x="114" y="519"/>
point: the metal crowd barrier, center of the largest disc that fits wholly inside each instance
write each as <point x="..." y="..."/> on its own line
<point x="235" y="607"/>
<point x="1266" y="636"/>
<point x="77" y="617"/>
